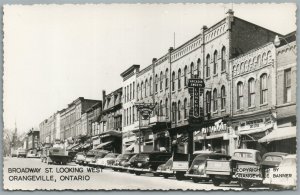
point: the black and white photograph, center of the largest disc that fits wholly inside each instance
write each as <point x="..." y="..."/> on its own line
<point x="174" y="96"/>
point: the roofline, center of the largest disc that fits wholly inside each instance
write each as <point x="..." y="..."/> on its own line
<point x="134" y="66"/>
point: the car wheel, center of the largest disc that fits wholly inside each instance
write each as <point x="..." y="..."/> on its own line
<point x="137" y="173"/>
<point x="195" y="180"/>
<point x="179" y="175"/>
<point x="227" y="181"/>
<point x="166" y="176"/>
<point x="216" y="182"/>
<point x="246" y="184"/>
<point x="155" y="174"/>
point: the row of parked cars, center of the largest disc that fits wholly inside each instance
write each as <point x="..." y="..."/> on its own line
<point x="245" y="166"/>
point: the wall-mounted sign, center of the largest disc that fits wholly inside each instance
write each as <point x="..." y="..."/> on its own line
<point x="196" y="89"/>
<point x="219" y="127"/>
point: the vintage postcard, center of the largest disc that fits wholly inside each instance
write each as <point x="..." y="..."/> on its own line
<point x="150" y="97"/>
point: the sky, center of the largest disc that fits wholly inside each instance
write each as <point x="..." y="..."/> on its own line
<point x="54" y="54"/>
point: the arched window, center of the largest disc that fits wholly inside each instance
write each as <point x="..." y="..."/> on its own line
<point x="179" y="78"/>
<point x="179" y="113"/>
<point x="129" y="115"/>
<point x="185" y="108"/>
<point x="263" y="89"/>
<point x="192" y="70"/>
<point x="239" y="95"/>
<point x="137" y="91"/>
<point x="156" y="83"/>
<point x="208" y="101"/>
<point x="161" y="112"/>
<point x="199" y="68"/>
<point x="185" y="75"/>
<point x="173" y="112"/>
<point x="223" y="60"/>
<point x="173" y="81"/>
<point x="207" y="66"/>
<point x="167" y="107"/>
<point x="215" y="62"/>
<point x="150" y="86"/>
<point x="161" y="80"/>
<point x="251" y="92"/>
<point x="146" y="85"/>
<point x="142" y="87"/>
<point x="167" y="78"/>
<point x="215" y="100"/>
<point x="156" y="109"/>
<point x="223" y="97"/>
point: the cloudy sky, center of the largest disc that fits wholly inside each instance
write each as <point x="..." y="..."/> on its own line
<point x="56" y="53"/>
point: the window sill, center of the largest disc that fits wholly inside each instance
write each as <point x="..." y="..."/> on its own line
<point x="223" y="71"/>
<point x="240" y="110"/>
<point x="251" y="107"/>
<point x="215" y="112"/>
<point x="161" y="90"/>
<point x="264" y="104"/>
<point x="179" y="89"/>
<point x="156" y="93"/>
<point x="215" y="75"/>
<point x="223" y="110"/>
<point x="207" y="78"/>
<point x="173" y="92"/>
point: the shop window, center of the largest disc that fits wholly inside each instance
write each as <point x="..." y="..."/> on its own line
<point x="173" y="81"/>
<point x="263" y="89"/>
<point x="239" y="95"/>
<point x="223" y="60"/>
<point x="207" y="66"/>
<point x="179" y="79"/>
<point x="215" y="62"/>
<point x="287" y="86"/>
<point x="215" y="100"/>
<point x="223" y="97"/>
<point x="208" y="102"/>
<point x="251" y="92"/>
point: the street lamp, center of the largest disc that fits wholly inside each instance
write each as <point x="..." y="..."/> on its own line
<point x="145" y="110"/>
<point x="277" y="42"/>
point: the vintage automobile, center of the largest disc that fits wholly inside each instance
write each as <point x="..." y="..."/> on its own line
<point x="21" y="153"/>
<point x="166" y="169"/>
<point x="127" y="165"/>
<point x="218" y="168"/>
<point x="148" y="162"/>
<point x="58" y="155"/>
<point x="120" y="160"/>
<point x="90" y="156"/>
<point x="285" y="175"/>
<point x="182" y="162"/>
<point x="246" y="165"/>
<point x="271" y="160"/>
<point x="107" y="160"/>
<point x="80" y="156"/>
<point x="99" y="155"/>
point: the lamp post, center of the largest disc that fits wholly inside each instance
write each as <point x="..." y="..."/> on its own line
<point x="277" y="42"/>
<point x="145" y="110"/>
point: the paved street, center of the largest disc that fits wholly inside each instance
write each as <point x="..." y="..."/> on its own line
<point x="107" y="179"/>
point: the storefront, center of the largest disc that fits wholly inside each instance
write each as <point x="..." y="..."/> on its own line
<point x="111" y="141"/>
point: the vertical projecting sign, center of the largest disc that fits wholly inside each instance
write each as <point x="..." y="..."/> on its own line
<point x="196" y="88"/>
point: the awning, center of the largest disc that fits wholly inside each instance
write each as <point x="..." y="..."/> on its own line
<point x="130" y="148"/>
<point x="103" y="144"/>
<point x="279" y="134"/>
<point x="257" y="130"/>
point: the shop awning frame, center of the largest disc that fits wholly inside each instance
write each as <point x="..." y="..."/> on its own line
<point x="280" y="134"/>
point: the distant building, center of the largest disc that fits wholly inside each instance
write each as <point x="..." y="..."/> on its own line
<point x="33" y="140"/>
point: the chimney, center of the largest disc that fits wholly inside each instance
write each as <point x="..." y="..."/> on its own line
<point x="153" y="60"/>
<point x="230" y="12"/>
<point x="171" y="49"/>
<point x="103" y="98"/>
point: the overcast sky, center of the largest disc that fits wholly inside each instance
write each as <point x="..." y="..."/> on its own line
<point x="56" y="53"/>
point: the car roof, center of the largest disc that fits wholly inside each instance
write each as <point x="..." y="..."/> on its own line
<point x="275" y="154"/>
<point x="246" y="150"/>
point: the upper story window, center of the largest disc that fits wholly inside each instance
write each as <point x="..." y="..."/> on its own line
<point x="215" y="100"/>
<point x="161" y="81"/>
<point x="173" y="112"/>
<point x="251" y="92"/>
<point x="185" y="75"/>
<point x="223" y="97"/>
<point x="150" y="86"/>
<point x="192" y="70"/>
<point x="167" y="78"/>
<point x="199" y="68"/>
<point x="223" y="59"/>
<point x="125" y="94"/>
<point x="179" y="109"/>
<point x="263" y="89"/>
<point x="137" y="89"/>
<point x="179" y="78"/>
<point x="161" y="112"/>
<point x="130" y="96"/>
<point x="167" y="107"/>
<point x="133" y="89"/>
<point x="208" y="101"/>
<point x="173" y="81"/>
<point x="185" y="108"/>
<point x="156" y="83"/>
<point x="207" y="65"/>
<point x="146" y="85"/>
<point x="287" y="86"/>
<point x="215" y="62"/>
<point x="142" y="87"/>
<point x="239" y="95"/>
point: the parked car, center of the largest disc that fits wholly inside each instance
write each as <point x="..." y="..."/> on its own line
<point x="80" y="156"/>
<point x="271" y="160"/>
<point x="99" y="155"/>
<point x="21" y="153"/>
<point x="148" y="162"/>
<point x="120" y="160"/>
<point x="165" y="169"/>
<point x="107" y="160"/>
<point x="218" y="168"/>
<point x="285" y="175"/>
<point x="246" y="164"/>
<point x="127" y="165"/>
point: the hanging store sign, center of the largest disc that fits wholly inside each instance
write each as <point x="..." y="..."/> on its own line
<point x="196" y="89"/>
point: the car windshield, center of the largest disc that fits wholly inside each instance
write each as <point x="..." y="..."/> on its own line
<point x="199" y="160"/>
<point x="288" y="162"/>
<point x="132" y="158"/>
<point x="123" y="156"/>
<point x="273" y="158"/>
<point x="169" y="162"/>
